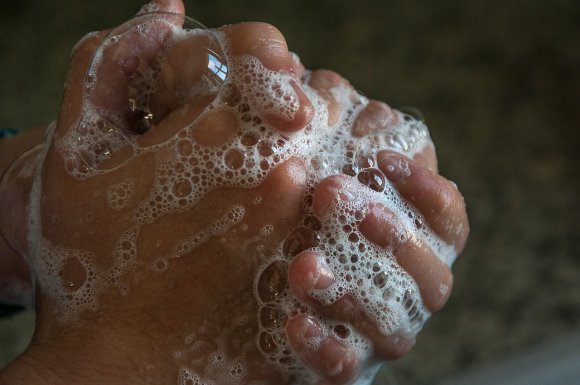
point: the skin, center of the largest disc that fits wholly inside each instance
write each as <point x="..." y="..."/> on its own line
<point x="12" y="266"/>
<point x="130" y="338"/>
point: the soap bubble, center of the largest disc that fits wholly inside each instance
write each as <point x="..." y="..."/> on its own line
<point x="141" y="72"/>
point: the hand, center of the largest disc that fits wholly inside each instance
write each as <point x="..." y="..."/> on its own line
<point x="442" y="213"/>
<point x="110" y="251"/>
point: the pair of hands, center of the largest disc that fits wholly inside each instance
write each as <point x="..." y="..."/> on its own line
<point x="75" y="214"/>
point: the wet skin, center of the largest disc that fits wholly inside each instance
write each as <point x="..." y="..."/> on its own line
<point x="131" y="337"/>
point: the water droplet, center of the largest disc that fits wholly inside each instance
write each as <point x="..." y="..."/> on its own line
<point x="182" y="188"/>
<point x="265" y="148"/>
<point x="73" y="274"/>
<point x="399" y="141"/>
<point x="380" y="280"/>
<point x="267" y="344"/>
<point x="234" y="159"/>
<point x="184" y="147"/>
<point x="249" y="139"/>
<point x="419" y="223"/>
<point x="160" y="265"/>
<point x="373" y="178"/>
<point x="351" y="169"/>
<point x="341" y="331"/>
<point x="365" y="161"/>
<point x="353" y="237"/>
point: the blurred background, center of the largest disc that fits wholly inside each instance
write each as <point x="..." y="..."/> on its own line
<point x="499" y="85"/>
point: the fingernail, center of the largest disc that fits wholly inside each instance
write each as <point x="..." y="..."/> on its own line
<point x="325" y="277"/>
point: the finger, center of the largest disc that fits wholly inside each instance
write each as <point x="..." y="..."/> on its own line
<point x="434" y="278"/>
<point x="328" y="191"/>
<point x="435" y="197"/>
<point x="72" y="104"/>
<point x="308" y="271"/>
<point x="323" y="81"/>
<point x="267" y="44"/>
<point x="382" y="227"/>
<point x="130" y="51"/>
<point x="374" y="117"/>
<point x="333" y="362"/>
<point x="117" y="64"/>
<point x="297" y="67"/>
<point x="377" y="116"/>
<point x="427" y="157"/>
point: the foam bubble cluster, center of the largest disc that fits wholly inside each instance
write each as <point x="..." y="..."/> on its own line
<point x="239" y="93"/>
<point x="118" y="195"/>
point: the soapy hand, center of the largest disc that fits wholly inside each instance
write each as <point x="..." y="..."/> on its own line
<point x="182" y="163"/>
<point x="424" y="245"/>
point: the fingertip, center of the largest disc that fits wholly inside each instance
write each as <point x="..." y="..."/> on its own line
<point x="394" y="347"/>
<point x="323" y="79"/>
<point x="375" y="116"/>
<point x="328" y="358"/>
<point x="427" y="157"/>
<point x="441" y="296"/>
<point x="262" y="40"/>
<point x="396" y="167"/>
<point x="267" y="44"/>
<point x="432" y="275"/>
<point x="304" y="333"/>
<point x="338" y="364"/>
<point x="302" y="273"/>
<point x="436" y="198"/>
<point x="382" y="227"/>
<point x="306" y="272"/>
